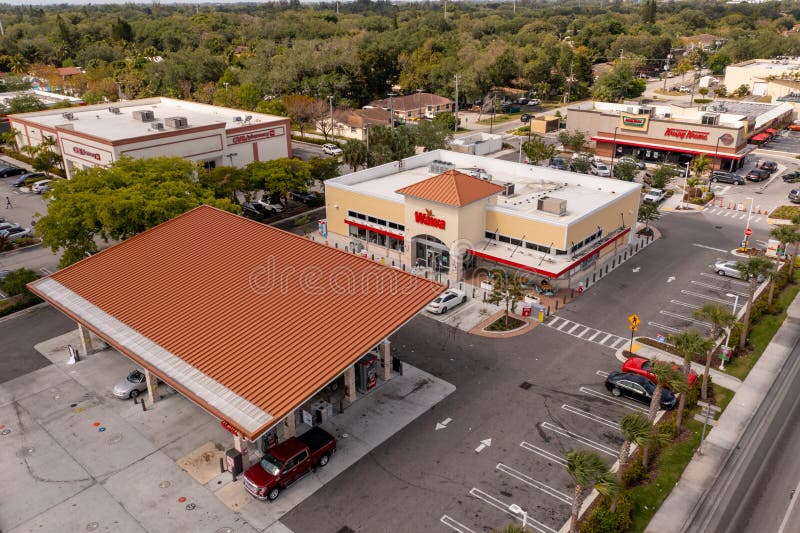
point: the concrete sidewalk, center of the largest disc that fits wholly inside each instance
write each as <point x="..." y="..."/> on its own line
<point x="677" y="510"/>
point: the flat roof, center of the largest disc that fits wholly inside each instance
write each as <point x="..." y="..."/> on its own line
<point x="770" y="64"/>
<point x="247" y="320"/>
<point x="99" y="121"/>
<point x="584" y="193"/>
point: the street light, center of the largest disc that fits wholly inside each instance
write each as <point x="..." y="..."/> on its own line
<point x="330" y="99"/>
<point x="728" y="336"/>
<point x="716" y="151"/>
<point x="516" y="509"/>
<point x="685" y="179"/>
<point x="747" y="227"/>
<point x="419" y="103"/>
<point x="391" y="107"/>
<point x="666" y="69"/>
<point x="614" y="150"/>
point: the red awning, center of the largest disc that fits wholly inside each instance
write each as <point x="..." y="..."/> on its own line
<point x="376" y="230"/>
<point x="541" y="272"/>
<point x="667" y="148"/>
<point x="759" y="137"/>
<point x="771" y="130"/>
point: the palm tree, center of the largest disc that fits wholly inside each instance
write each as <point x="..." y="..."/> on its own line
<point x="665" y="375"/>
<point x="10" y="137"/>
<point x="786" y="234"/>
<point x="720" y="319"/>
<point x="755" y="267"/>
<point x="795" y="242"/>
<point x="635" y="429"/>
<point x="587" y="470"/>
<point x="354" y="153"/>
<point x="688" y="343"/>
<point x="508" y="289"/>
<point x="700" y="164"/>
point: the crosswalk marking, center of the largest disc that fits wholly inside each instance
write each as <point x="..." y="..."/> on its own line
<point x="581" y="331"/>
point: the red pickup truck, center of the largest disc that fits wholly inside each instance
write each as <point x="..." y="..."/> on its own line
<point x="285" y="463"/>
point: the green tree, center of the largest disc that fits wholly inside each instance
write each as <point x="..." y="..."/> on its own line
<point x="793" y="239"/>
<point x="625" y="171"/>
<point x="323" y="168"/>
<point x="665" y="376"/>
<point x="121" y="30"/>
<point x="661" y="176"/>
<point x="119" y="201"/>
<point x="24" y="104"/>
<point x="649" y="10"/>
<point x="537" y="150"/>
<point x="389" y="144"/>
<point x="647" y="213"/>
<point x="700" y="165"/>
<point x="432" y="135"/>
<point x="279" y="176"/>
<point x="10" y="138"/>
<point x="689" y="344"/>
<point x="751" y="270"/>
<point x="717" y="63"/>
<point x="506" y="289"/>
<point x="635" y="429"/>
<point x="587" y="470"/>
<point x="16" y="281"/>
<point x="354" y="153"/>
<point x="304" y="111"/>
<point x="576" y="140"/>
<point x="619" y="83"/>
<point x="223" y="181"/>
<point x="447" y="120"/>
<point x="720" y="320"/>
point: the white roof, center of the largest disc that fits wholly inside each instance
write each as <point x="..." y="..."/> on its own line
<point x="584" y="193"/>
<point x="99" y="121"/>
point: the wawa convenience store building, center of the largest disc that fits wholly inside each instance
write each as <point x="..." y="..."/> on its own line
<point x="446" y="214"/>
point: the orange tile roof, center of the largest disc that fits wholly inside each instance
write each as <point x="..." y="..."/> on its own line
<point x="452" y="188"/>
<point x="270" y="316"/>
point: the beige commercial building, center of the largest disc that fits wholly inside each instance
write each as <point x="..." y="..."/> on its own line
<point x="721" y="130"/>
<point x="449" y="213"/>
<point x="756" y="73"/>
<point x="99" y="135"/>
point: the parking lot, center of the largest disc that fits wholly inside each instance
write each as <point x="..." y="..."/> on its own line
<point x="785" y="141"/>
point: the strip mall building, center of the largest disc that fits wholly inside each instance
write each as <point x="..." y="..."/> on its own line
<point x="99" y="135"/>
<point x="450" y="213"/>
<point x="721" y="130"/>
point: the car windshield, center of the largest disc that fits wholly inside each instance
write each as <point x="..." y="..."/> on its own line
<point x="135" y="377"/>
<point x="270" y="464"/>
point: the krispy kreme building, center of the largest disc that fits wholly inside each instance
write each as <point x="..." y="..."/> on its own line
<point x="99" y="135"/>
<point x="672" y="133"/>
<point x="445" y="214"/>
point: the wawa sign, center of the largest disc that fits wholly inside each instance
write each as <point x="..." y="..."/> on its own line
<point x="427" y="219"/>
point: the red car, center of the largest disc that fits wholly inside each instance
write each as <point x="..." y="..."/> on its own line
<point x="641" y="366"/>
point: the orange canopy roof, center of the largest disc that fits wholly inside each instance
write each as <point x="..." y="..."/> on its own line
<point x="452" y="188"/>
<point x="245" y="319"/>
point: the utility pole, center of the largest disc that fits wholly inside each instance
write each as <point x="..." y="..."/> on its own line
<point x="458" y="77"/>
<point x="391" y="108"/>
<point x="445" y="9"/>
<point x="330" y="99"/>
<point x="569" y="81"/>
<point x="2" y="31"/>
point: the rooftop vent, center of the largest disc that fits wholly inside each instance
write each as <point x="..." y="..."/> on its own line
<point x="710" y="119"/>
<point x="509" y="189"/>
<point x="237" y="119"/>
<point x="176" y="123"/>
<point x="114" y="110"/>
<point x="157" y="126"/>
<point x="438" y="166"/>
<point x="68" y="115"/>
<point x="555" y="206"/>
<point x="478" y="173"/>
<point x="144" y="115"/>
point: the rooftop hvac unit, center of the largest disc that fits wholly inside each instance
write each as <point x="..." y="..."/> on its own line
<point x="667" y="114"/>
<point x="157" y="126"/>
<point x="710" y="119"/>
<point x="144" y="115"/>
<point x="67" y="115"/>
<point x="509" y="189"/>
<point x="555" y="206"/>
<point x="237" y="119"/>
<point x="437" y="166"/>
<point x="478" y="173"/>
<point x="176" y="122"/>
<point x="114" y="110"/>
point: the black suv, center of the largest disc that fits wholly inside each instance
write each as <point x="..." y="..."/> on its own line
<point x="526" y="117"/>
<point x="757" y="175"/>
<point x="638" y="388"/>
<point x="303" y="197"/>
<point x="7" y="172"/>
<point x="558" y="164"/>
<point x="769" y="166"/>
<point x="722" y="176"/>
<point x="792" y="177"/>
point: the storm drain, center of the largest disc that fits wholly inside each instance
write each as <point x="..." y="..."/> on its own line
<point x="346" y="529"/>
<point x="525" y="385"/>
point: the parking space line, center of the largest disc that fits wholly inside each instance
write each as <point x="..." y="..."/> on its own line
<point x="717" y="287"/>
<point x="544" y="453"/>
<point x="611" y="399"/>
<point x="704" y="297"/>
<point x="662" y="326"/>
<point x="591" y="416"/>
<point x="595" y="335"/>
<point x="582" y="333"/>
<point x="573" y="328"/>
<point x="602" y="373"/>
<point x="454" y="525"/>
<point x="733" y="281"/>
<point x="684" y="304"/>
<point x="494" y="502"/>
<point x="681" y="317"/>
<point x="559" y="328"/>
<point x="580" y="438"/>
<point x="550" y="491"/>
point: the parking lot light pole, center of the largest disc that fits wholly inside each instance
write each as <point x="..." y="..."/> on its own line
<point x="716" y="152"/>
<point x="747" y="227"/>
<point x="516" y="509"/>
<point x="614" y="150"/>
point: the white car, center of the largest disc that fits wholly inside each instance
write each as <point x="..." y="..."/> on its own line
<point x="639" y="164"/>
<point x="655" y="196"/>
<point x="331" y="149"/>
<point x="727" y="267"/>
<point x="600" y="169"/>
<point x="268" y="207"/>
<point x="447" y="300"/>
<point x="40" y="186"/>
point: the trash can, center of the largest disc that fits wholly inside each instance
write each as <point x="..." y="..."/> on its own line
<point x="233" y="459"/>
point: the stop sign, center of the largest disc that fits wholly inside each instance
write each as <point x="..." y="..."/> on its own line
<point x="748" y="232"/>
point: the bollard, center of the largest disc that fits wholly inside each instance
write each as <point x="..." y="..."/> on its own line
<point x="392" y="262"/>
<point x="341" y="405"/>
<point x="625" y="255"/>
<point x="572" y="293"/>
<point x="606" y="268"/>
<point x="473" y="292"/>
<point x="144" y="408"/>
<point x="594" y="278"/>
<point x="613" y="262"/>
<point x="221" y="466"/>
<point x="404" y="267"/>
<point x="136" y="400"/>
<point x="564" y="300"/>
<point x="556" y="305"/>
<point x="548" y="310"/>
<point x="336" y="245"/>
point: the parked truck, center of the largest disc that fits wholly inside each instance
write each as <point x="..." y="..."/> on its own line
<point x="285" y="463"/>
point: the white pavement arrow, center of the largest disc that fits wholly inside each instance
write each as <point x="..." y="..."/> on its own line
<point x="670" y="279"/>
<point x="484" y="443"/>
<point x="443" y="423"/>
<point x="636" y="269"/>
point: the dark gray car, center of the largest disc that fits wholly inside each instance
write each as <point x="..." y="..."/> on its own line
<point x="722" y="176"/>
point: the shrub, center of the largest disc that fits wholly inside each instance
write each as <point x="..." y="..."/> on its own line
<point x="693" y="394"/>
<point x="668" y="427"/>
<point x="633" y="474"/>
<point x="602" y="520"/>
<point x="14" y="283"/>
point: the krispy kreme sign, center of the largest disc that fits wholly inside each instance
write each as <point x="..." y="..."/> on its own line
<point x="256" y="136"/>
<point x="629" y="121"/>
<point x="686" y="134"/>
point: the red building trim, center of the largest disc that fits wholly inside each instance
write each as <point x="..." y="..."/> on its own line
<point x="666" y="147"/>
<point x="376" y="230"/>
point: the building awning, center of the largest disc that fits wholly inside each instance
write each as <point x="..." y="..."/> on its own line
<point x="668" y="148"/>
<point x="537" y="269"/>
<point x="371" y="228"/>
<point x="771" y="131"/>
<point x="760" y="137"/>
